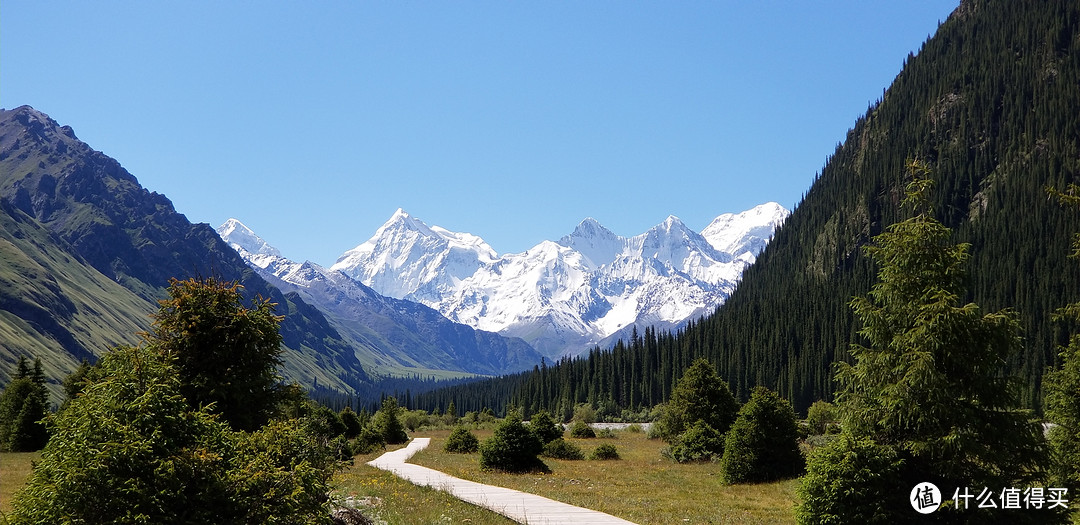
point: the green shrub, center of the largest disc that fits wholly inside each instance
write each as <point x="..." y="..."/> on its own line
<point x="605" y="451"/>
<point x="700" y="394"/>
<point x="606" y="433"/>
<point x="461" y="441"/>
<point x="512" y="448"/>
<point x="352" y="423"/>
<point x="851" y="480"/>
<point x="544" y="427"/>
<point x="563" y="449"/>
<point x="585" y="413"/>
<point x="700" y="442"/>
<point x="634" y="429"/>
<point x="763" y="444"/>
<point x="581" y="430"/>
<point x="369" y="440"/>
<point x="130" y="449"/>
<point x="821" y="417"/>
<point x="414" y="419"/>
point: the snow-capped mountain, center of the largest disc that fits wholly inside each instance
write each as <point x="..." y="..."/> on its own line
<point x="563" y="297"/>
<point x="745" y="234"/>
<point x="399" y="336"/>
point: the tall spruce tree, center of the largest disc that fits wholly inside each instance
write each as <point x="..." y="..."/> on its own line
<point x="928" y="386"/>
<point x="24" y="403"/>
<point x="1062" y="386"/>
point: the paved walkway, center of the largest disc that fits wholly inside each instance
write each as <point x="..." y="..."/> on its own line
<point x="514" y="504"/>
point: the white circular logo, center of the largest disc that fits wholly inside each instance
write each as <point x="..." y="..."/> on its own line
<point x="925" y="498"/>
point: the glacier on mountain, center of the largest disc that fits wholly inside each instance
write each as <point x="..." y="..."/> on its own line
<point x="400" y="335"/>
<point x="564" y="297"/>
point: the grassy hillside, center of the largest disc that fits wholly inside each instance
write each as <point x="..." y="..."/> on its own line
<point x="54" y="306"/>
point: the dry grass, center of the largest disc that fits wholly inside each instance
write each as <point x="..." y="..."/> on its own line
<point x="642" y="487"/>
<point x="15" y="467"/>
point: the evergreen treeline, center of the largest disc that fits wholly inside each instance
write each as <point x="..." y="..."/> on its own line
<point x="991" y="104"/>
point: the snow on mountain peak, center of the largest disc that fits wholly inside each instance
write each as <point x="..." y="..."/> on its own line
<point x="745" y="234"/>
<point x="567" y="295"/>
<point x="236" y="234"/>
<point x="597" y="243"/>
<point x="407" y="259"/>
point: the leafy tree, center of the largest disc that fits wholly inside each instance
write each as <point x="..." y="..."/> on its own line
<point x="24" y="403"/>
<point x="929" y="384"/>
<point x="763" y="443"/>
<point x="512" y="448"/>
<point x="700" y="395"/>
<point x="387" y="423"/>
<point x="545" y="428"/>
<point x="227" y="355"/>
<point x="585" y="413"/>
<point x="821" y="416"/>
<point x="461" y="441"/>
<point x="131" y="449"/>
<point x="352" y="423"/>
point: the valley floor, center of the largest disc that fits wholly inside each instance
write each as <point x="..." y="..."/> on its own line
<point x="642" y="487"/>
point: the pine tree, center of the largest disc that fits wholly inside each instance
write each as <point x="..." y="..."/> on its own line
<point x="1062" y="386"/>
<point x="387" y="424"/>
<point x="24" y="403"/>
<point x="928" y="387"/>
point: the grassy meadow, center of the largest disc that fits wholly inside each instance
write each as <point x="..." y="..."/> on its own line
<point x="14" y="469"/>
<point x="642" y="486"/>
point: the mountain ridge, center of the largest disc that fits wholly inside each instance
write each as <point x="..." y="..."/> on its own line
<point x="564" y="296"/>
<point x="98" y="217"/>
<point x="410" y="336"/>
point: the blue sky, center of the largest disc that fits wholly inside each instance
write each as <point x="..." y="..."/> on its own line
<point x="313" y="122"/>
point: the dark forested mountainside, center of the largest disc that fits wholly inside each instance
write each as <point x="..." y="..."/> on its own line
<point x="84" y="226"/>
<point x="991" y="103"/>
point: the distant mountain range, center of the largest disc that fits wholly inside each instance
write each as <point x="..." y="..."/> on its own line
<point x="562" y="297"/>
<point x="398" y="335"/>
<point x="86" y="252"/>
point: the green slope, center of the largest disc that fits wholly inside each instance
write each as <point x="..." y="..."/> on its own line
<point x="54" y="306"/>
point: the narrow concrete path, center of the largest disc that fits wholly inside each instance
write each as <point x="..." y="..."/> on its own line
<point x="514" y="504"/>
